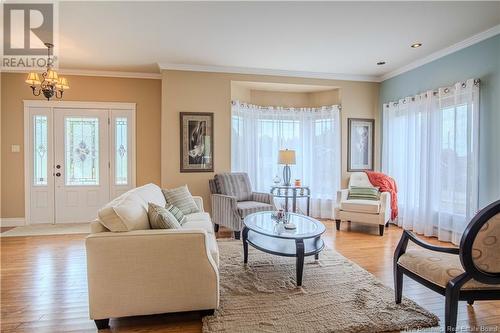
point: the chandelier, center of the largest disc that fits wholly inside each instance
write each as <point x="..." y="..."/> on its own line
<point x="51" y="84"/>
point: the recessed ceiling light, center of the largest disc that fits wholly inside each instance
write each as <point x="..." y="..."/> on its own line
<point x="416" y="45"/>
<point x="380" y="63"/>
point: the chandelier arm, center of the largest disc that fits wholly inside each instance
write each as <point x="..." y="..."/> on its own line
<point x="33" y="88"/>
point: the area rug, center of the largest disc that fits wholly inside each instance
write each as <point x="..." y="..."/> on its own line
<point x="337" y="296"/>
<point x="48" y="229"/>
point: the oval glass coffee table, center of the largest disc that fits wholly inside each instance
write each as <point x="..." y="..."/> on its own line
<point x="265" y="234"/>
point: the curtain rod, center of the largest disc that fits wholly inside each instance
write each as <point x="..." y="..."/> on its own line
<point x="477" y="82"/>
<point x="234" y="102"/>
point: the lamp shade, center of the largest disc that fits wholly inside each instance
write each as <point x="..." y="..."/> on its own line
<point x="52" y="76"/>
<point x="32" y="79"/>
<point x="62" y="84"/>
<point x="286" y="157"/>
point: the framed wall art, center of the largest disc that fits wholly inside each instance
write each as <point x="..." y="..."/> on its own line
<point x="197" y="142"/>
<point x="360" y="140"/>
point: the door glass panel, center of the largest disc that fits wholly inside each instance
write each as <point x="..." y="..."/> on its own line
<point x="81" y="151"/>
<point x="121" y="155"/>
<point x="40" y="150"/>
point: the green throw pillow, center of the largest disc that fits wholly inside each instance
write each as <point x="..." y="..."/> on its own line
<point x="363" y="193"/>
<point x="181" y="198"/>
<point x="177" y="213"/>
<point x="161" y="218"/>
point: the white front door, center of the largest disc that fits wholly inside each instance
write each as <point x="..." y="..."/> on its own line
<point x="81" y="163"/>
<point x="78" y="156"/>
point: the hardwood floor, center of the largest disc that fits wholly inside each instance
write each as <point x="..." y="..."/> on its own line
<point x="44" y="285"/>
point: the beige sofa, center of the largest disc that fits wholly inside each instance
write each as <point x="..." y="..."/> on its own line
<point x="145" y="271"/>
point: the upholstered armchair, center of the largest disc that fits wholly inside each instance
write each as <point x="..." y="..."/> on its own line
<point x="468" y="273"/>
<point x="377" y="212"/>
<point x="233" y="199"/>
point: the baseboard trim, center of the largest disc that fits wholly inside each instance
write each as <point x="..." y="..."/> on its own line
<point x="11" y="221"/>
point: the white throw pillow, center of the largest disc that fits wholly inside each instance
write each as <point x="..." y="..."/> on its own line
<point x="151" y="193"/>
<point x="125" y="213"/>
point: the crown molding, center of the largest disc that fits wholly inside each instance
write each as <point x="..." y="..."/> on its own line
<point x="266" y="71"/>
<point x="444" y="52"/>
<point x="84" y="72"/>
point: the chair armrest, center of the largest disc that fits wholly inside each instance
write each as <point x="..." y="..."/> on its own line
<point x="264" y="198"/>
<point x="385" y="202"/>
<point x="408" y="235"/>
<point x="146" y="271"/>
<point x="342" y="195"/>
<point x="224" y="210"/>
<point x="199" y="202"/>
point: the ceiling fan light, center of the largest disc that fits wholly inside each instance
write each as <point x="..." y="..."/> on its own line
<point x="33" y="79"/>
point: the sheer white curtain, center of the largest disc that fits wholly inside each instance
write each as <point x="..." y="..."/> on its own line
<point x="258" y="133"/>
<point x="430" y="147"/>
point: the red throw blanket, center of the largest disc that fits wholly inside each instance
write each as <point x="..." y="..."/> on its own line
<point x="386" y="184"/>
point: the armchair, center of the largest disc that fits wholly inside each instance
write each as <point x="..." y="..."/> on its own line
<point x="233" y="199"/>
<point x="376" y="212"/>
<point x="468" y="273"/>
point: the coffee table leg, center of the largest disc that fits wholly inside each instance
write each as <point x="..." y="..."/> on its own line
<point x="299" y="244"/>
<point x="245" y="245"/>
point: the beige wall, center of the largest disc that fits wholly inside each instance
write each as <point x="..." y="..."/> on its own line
<point x="211" y="92"/>
<point x="284" y="98"/>
<point x="146" y="93"/>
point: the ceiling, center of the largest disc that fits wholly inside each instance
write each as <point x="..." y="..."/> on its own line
<point x="321" y="37"/>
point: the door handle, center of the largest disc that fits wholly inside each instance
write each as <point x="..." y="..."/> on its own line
<point x="58" y="166"/>
<point x="58" y="174"/>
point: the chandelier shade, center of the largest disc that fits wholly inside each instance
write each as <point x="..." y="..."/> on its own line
<point x="62" y="83"/>
<point x="52" y="76"/>
<point x="33" y="79"/>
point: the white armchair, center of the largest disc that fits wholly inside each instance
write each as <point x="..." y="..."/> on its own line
<point x="376" y="212"/>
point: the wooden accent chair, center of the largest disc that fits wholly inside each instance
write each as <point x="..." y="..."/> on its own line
<point x="468" y="273"/>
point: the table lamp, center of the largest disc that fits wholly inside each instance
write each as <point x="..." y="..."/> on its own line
<point x="286" y="157"/>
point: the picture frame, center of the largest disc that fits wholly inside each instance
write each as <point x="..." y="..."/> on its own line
<point x="360" y="144"/>
<point x="197" y="142"/>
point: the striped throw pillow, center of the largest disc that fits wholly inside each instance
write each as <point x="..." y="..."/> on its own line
<point x="161" y="218"/>
<point x="181" y="198"/>
<point x="363" y="193"/>
<point x="177" y="213"/>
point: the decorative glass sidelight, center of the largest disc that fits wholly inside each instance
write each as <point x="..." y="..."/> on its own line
<point x="82" y="150"/>
<point x="40" y="150"/>
<point x="121" y="154"/>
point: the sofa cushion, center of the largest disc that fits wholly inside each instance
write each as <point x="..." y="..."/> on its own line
<point x="246" y="208"/>
<point x="235" y="184"/>
<point x="199" y="221"/>
<point x="181" y="198"/>
<point x="199" y="224"/>
<point x="198" y="216"/>
<point x="360" y="206"/>
<point x="125" y="213"/>
<point x="438" y="267"/>
<point x="161" y="218"/>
